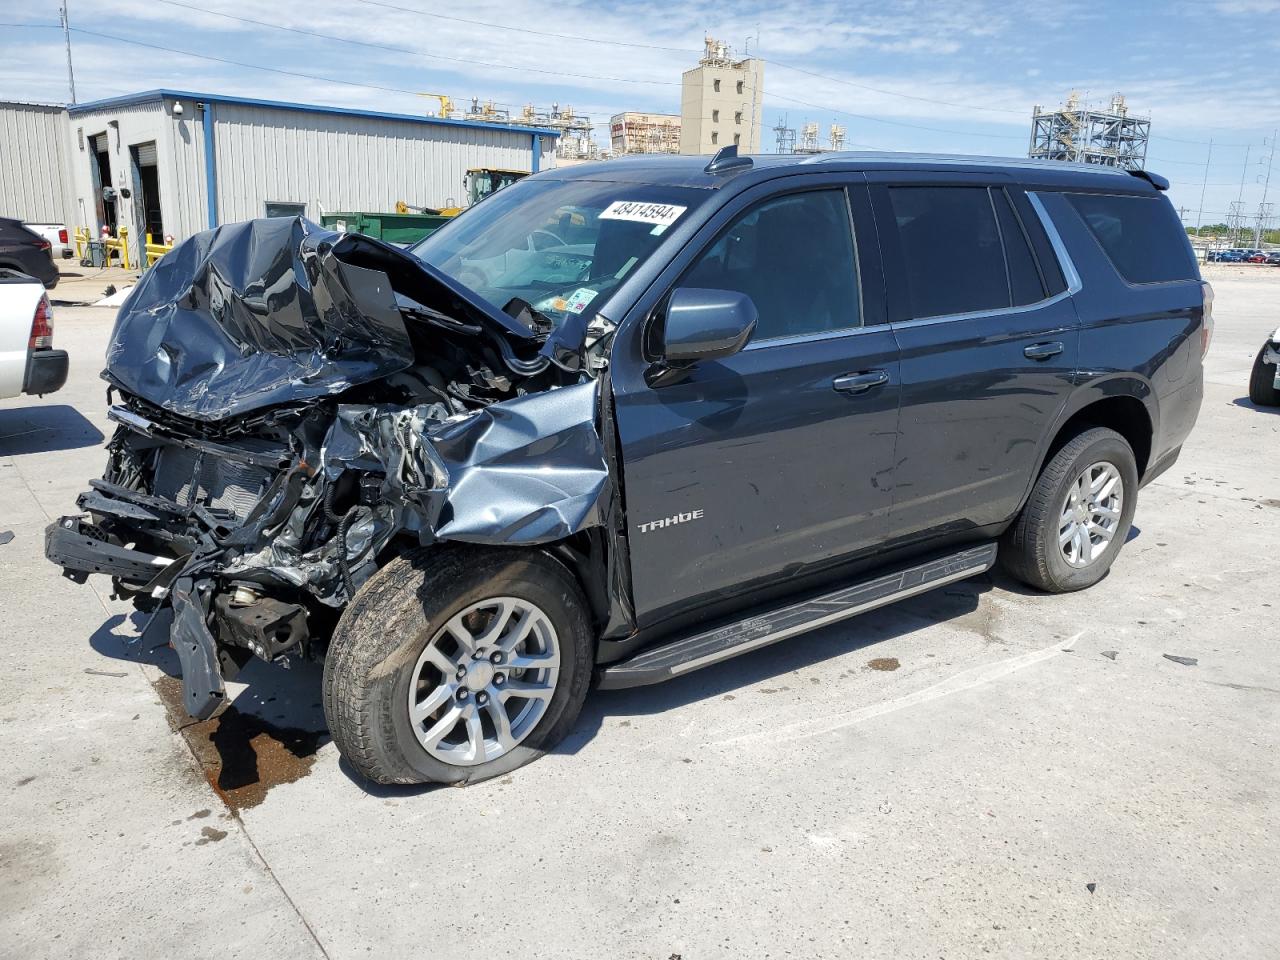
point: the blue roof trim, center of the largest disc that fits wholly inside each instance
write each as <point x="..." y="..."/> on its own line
<point x="147" y="96"/>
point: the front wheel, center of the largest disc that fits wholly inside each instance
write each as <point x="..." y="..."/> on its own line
<point x="1078" y="515"/>
<point x="457" y="664"/>
<point x="1262" y="382"/>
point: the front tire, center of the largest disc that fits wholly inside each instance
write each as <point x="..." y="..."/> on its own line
<point x="1077" y="517"/>
<point x="456" y="664"/>
<point x="1262" y="382"/>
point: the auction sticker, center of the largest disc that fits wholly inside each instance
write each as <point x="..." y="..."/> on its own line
<point x="580" y="299"/>
<point x="661" y="215"/>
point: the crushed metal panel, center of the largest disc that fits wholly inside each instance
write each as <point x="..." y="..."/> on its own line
<point x="526" y="471"/>
<point x="254" y="314"/>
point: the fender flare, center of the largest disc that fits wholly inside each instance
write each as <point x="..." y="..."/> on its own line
<point x="1105" y="387"/>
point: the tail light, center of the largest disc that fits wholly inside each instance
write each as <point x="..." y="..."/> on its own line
<point x="62" y="236"/>
<point x="43" y="244"/>
<point x="1206" y="326"/>
<point x="42" y="326"/>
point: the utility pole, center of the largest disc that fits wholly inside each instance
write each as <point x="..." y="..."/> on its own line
<point x="1204" y="186"/>
<point x="1238" y="206"/>
<point x="1262" y="206"/>
<point x="66" y="35"/>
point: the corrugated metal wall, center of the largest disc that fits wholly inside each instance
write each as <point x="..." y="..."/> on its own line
<point x="33" y="184"/>
<point x="340" y="162"/>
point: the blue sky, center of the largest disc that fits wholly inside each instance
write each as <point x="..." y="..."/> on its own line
<point x="958" y="76"/>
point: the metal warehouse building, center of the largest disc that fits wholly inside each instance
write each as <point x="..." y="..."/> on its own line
<point x="174" y="162"/>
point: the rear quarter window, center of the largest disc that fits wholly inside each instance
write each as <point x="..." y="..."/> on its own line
<point x="1141" y="235"/>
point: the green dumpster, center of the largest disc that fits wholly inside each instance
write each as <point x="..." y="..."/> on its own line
<point x="400" y="228"/>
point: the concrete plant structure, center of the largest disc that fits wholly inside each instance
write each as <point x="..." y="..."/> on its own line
<point x="721" y="102"/>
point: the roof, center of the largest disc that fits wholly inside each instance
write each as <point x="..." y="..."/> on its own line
<point x="32" y="104"/>
<point x="689" y="171"/>
<point x="150" y="96"/>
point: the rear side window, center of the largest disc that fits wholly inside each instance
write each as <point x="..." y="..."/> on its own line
<point x="1024" y="278"/>
<point x="1141" y="235"/>
<point x="951" y="250"/>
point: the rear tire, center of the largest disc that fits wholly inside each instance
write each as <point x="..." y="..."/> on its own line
<point x="1062" y="541"/>
<point x="467" y="604"/>
<point x="1262" y="382"/>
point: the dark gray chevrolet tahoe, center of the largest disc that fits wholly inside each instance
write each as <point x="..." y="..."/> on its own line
<point x="626" y="420"/>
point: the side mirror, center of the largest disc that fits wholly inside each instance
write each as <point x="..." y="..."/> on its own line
<point x="706" y="325"/>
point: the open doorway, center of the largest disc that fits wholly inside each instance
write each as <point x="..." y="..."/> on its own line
<point x="146" y="193"/>
<point x="100" y="170"/>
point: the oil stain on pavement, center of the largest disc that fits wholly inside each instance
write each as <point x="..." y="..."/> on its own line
<point x="242" y="755"/>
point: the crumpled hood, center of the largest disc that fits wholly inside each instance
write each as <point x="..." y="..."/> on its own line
<point x="255" y="314"/>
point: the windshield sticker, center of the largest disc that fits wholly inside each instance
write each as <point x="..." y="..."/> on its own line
<point x="579" y="299"/>
<point x="661" y="215"/>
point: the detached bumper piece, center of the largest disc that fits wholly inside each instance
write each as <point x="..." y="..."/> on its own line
<point x="79" y="548"/>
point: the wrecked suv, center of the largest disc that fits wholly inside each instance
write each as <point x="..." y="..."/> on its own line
<point x="624" y="421"/>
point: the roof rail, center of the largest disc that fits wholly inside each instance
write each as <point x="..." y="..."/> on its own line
<point x="727" y="159"/>
<point x="1157" y="181"/>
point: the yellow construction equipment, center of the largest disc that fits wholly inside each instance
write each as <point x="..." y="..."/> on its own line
<point x="446" y="103"/>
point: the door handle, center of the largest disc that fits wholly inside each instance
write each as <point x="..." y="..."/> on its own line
<point x="1042" y="351"/>
<point x="860" y="382"/>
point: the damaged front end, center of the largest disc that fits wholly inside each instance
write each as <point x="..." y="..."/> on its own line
<point x="295" y="406"/>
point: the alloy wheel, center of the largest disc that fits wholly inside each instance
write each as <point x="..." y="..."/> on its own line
<point x="1090" y="514"/>
<point x="484" y="681"/>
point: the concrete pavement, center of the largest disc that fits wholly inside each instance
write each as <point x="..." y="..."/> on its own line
<point x="1005" y="790"/>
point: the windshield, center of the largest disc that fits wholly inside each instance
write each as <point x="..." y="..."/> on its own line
<point x="559" y="246"/>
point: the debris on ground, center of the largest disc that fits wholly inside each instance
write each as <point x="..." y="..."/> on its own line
<point x="1110" y="654"/>
<point x="113" y="297"/>
<point x="1091" y="887"/>
<point x="5" y="537"/>
<point x="884" y="663"/>
<point x="105" y="673"/>
<point x="1185" y="661"/>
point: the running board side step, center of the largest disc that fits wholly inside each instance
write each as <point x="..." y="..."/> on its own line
<point x="703" y="649"/>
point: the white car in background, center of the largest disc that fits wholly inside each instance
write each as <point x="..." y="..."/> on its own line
<point x="1264" y="380"/>
<point x="28" y="362"/>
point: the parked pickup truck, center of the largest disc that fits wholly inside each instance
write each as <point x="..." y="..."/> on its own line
<point x="60" y="246"/>
<point x="28" y="362"/>
<point x="626" y="422"/>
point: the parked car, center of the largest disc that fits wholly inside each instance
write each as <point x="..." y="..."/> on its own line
<point x="28" y="362"/>
<point x="60" y="246"/>
<point x="25" y="251"/>
<point x="1273" y="258"/>
<point x="1226" y="256"/>
<point x="769" y="394"/>
<point x="1264" y="379"/>
<point x="1256" y="257"/>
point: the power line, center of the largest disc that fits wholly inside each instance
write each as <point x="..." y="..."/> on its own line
<point x="895" y="123"/>
<point x="555" y="73"/>
<point x="890" y="93"/>
<point x="349" y="83"/>
<point x="537" y="33"/>
<point x="398" y="49"/>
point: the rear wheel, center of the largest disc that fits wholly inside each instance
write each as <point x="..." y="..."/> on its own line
<point x="453" y="665"/>
<point x="1078" y="515"/>
<point x="1262" y="382"/>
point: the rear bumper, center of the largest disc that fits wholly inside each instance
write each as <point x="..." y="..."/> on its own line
<point x="46" y="371"/>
